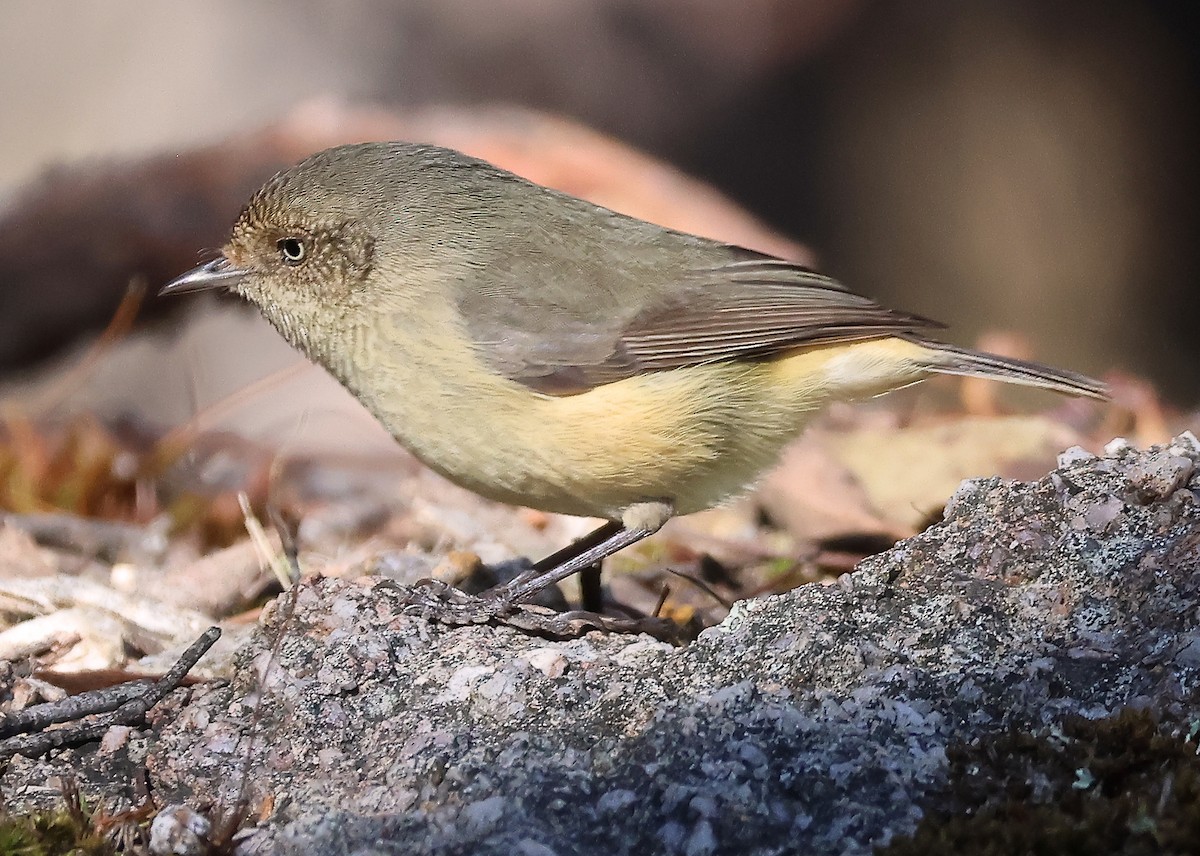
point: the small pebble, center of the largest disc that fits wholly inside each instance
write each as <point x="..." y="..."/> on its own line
<point x="615" y="801"/>
<point x="179" y="831"/>
<point x="1116" y="446"/>
<point x="115" y="738"/>
<point x="549" y="661"/>
<point x="1158" y="476"/>
<point x="1074" y="455"/>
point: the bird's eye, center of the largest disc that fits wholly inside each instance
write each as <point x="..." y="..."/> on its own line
<point x="292" y="250"/>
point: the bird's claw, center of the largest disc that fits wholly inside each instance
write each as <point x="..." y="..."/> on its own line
<point x="437" y="601"/>
<point x="441" y="603"/>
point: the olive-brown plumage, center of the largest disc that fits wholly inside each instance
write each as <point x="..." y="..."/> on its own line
<point x="545" y="351"/>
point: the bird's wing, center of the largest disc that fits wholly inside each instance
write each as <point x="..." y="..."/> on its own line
<point x="564" y="340"/>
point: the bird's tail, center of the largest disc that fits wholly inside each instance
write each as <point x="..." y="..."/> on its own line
<point x="948" y="359"/>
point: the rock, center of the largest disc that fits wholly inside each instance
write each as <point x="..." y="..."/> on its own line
<point x="817" y="721"/>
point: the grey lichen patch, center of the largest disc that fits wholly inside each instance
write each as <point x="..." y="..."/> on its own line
<point x="823" y="720"/>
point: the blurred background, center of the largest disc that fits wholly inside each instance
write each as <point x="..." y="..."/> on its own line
<point x="1026" y="166"/>
<point x="1024" y="170"/>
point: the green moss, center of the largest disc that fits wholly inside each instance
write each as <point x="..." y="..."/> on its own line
<point x="52" y="834"/>
<point x="71" y="829"/>
<point x="1127" y="784"/>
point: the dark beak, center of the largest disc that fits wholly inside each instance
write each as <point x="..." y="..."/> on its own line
<point x="218" y="273"/>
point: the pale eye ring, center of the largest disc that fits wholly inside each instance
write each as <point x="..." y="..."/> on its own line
<point x="291" y="250"/>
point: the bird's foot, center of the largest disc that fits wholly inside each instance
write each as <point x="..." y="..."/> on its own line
<point x="438" y="602"/>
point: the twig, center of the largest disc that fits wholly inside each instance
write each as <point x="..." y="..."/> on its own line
<point x="703" y="586"/>
<point x="120" y="324"/>
<point x="112" y="705"/>
<point x="181" y="436"/>
<point x="105" y="539"/>
<point x="72" y="707"/>
<point x="662" y="600"/>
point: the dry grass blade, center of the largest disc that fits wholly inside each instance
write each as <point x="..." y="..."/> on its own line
<point x="268" y="556"/>
<point x="178" y="439"/>
<point x="118" y="327"/>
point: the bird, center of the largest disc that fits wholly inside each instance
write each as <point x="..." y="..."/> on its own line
<point x="544" y="351"/>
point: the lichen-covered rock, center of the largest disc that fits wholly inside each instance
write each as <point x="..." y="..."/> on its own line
<point x="818" y="721"/>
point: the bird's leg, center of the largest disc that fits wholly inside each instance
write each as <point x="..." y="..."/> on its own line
<point x="591" y="592"/>
<point x="591" y="597"/>
<point x="637" y="522"/>
<point x="566" y="554"/>
<point x="506" y="603"/>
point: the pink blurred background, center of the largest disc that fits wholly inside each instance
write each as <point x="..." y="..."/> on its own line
<point x="1023" y="166"/>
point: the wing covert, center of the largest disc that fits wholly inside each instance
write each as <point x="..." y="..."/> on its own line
<point x="752" y="307"/>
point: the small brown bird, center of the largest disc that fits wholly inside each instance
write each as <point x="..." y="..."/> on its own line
<point x="544" y="351"/>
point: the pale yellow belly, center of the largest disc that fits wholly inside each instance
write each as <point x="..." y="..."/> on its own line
<point x="694" y="436"/>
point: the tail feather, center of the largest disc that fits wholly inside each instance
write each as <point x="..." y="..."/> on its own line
<point x="948" y="359"/>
